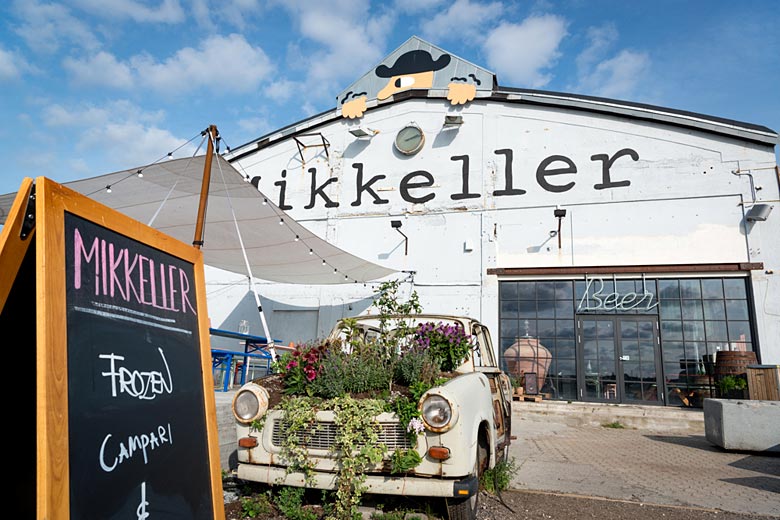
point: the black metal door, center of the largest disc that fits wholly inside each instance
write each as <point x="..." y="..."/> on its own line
<point x="619" y="359"/>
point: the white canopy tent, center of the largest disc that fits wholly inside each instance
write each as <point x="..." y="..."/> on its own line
<point x="244" y="232"/>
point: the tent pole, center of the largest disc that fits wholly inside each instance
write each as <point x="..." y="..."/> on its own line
<point x="197" y="241"/>
<point x="269" y="339"/>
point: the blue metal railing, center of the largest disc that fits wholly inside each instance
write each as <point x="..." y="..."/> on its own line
<point x="231" y="367"/>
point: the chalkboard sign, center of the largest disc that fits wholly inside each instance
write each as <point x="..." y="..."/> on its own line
<point x="134" y="380"/>
<point x="126" y="421"/>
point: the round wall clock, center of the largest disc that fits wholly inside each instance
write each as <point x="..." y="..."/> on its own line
<point x="410" y="139"/>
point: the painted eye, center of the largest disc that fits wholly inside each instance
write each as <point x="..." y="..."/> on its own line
<point x="404" y="81"/>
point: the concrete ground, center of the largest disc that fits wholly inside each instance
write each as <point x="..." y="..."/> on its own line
<point x="660" y="457"/>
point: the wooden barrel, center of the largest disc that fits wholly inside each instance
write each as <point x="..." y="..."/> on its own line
<point x="733" y="363"/>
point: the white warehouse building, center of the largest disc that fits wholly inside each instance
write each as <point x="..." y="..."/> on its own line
<point x="633" y="242"/>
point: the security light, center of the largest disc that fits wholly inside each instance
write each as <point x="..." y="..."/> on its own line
<point x="361" y="133"/>
<point x="758" y="213"/>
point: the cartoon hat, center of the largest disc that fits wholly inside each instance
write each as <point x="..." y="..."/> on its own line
<point x="413" y="62"/>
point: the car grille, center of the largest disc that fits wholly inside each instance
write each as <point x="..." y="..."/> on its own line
<point x="324" y="434"/>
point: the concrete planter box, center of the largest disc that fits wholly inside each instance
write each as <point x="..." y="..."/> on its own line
<point x="735" y="424"/>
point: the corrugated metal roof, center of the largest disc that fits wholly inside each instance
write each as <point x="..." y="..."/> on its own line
<point x="717" y="125"/>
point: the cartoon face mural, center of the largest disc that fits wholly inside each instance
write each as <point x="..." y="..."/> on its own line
<point x="416" y="69"/>
<point x="413" y="69"/>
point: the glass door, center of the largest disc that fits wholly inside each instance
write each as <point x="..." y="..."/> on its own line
<point x="619" y="359"/>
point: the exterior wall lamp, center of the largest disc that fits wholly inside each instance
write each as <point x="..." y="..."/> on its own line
<point x="362" y="133"/>
<point x="758" y="213"/>
<point x="559" y="214"/>
<point x="453" y="120"/>
<point x="396" y="224"/>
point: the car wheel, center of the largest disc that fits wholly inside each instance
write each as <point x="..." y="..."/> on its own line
<point x="466" y="508"/>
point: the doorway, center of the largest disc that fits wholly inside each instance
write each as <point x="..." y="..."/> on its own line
<point x="619" y="359"/>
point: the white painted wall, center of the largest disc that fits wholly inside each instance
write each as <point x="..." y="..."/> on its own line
<point x="683" y="205"/>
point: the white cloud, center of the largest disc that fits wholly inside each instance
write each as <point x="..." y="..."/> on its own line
<point x="222" y="63"/>
<point x="100" y="69"/>
<point x="600" y="39"/>
<point x="131" y="143"/>
<point x="241" y="66"/>
<point x="169" y="11"/>
<point x="237" y="13"/>
<point x="464" y="19"/>
<point x="88" y="115"/>
<point x="349" y="41"/>
<point x="46" y="27"/>
<point x="12" y="65"/>
<point x="520" y="53"/>
<point x="416" y="6"/>
<point x="617" y="77"/>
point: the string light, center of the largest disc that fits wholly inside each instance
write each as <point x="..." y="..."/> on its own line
<point x="323" y="262"/>
<point x="265" y="202"/>
<point x="140" y="174"/>
<point x="281" y="222"/>
<point x="311" y="251"/>
<point x="297" y="238"/>
<point x="108" y="188"/>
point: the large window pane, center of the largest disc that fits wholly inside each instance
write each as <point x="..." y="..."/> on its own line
<point x="670" y="310"/>
<point x="692" y="310"/>
<point x="690" y="289"/>
<point x="509" y="309"/>
<point x="734" y="287"/>
<point x="564" y="309"/>
<point x="716" y="330"/>
<point x="737" y="309"/>
<point x="526" y="290"/>
<point x="564" y="328"/>
<point x="714" y="310"/>
<point x="508" y="290"/>
<point x="545" y="308"/>
<point x="668" y="289"/>
<point x="712" y="288"/>
<point x="545" y="290"/>
<point x="564" y="291"/>
<point x="671" y="330"/>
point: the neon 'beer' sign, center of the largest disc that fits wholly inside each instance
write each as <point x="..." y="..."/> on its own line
<point x="595" y="299"/>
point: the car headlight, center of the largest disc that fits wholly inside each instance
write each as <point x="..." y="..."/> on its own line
<point x="437" y="413"/>
<point x="250" y="403"/>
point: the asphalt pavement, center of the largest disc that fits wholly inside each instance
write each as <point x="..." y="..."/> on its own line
<point x="660" y="456"/>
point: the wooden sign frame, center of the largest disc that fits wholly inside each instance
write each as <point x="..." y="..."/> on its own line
<point x="53" y="203"/>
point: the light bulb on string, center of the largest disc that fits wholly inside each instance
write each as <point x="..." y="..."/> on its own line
<point x="108" y="188"/>
<point x="323" y="262"/>
<point x="140" y="173"/>
<point x="335" y="271"/>
<point x="265" y="201"/>
<point x="297" y="238"/>
<point x="311" y="251"/>
<point x="281" y="222"/>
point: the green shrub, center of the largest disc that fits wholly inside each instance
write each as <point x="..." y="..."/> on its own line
<point x="358" y="372"/>
<point x="256" y="505"/>
<point x="289" y="500"/>
<point x="415" y="365"/>
<point x="729" y="383"/>
<point x="404" y="460"/>
<point x="498" y="478"/>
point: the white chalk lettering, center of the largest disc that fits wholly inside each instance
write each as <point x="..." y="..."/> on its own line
<point x="139" y="384"/>
<point x="143" y="443"/>
<point x="141" y="509"/>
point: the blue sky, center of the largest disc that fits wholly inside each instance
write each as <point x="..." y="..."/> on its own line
<point x="95" y="86"/>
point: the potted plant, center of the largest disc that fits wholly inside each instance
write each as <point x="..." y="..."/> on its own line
<point x="733" y="387"/>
